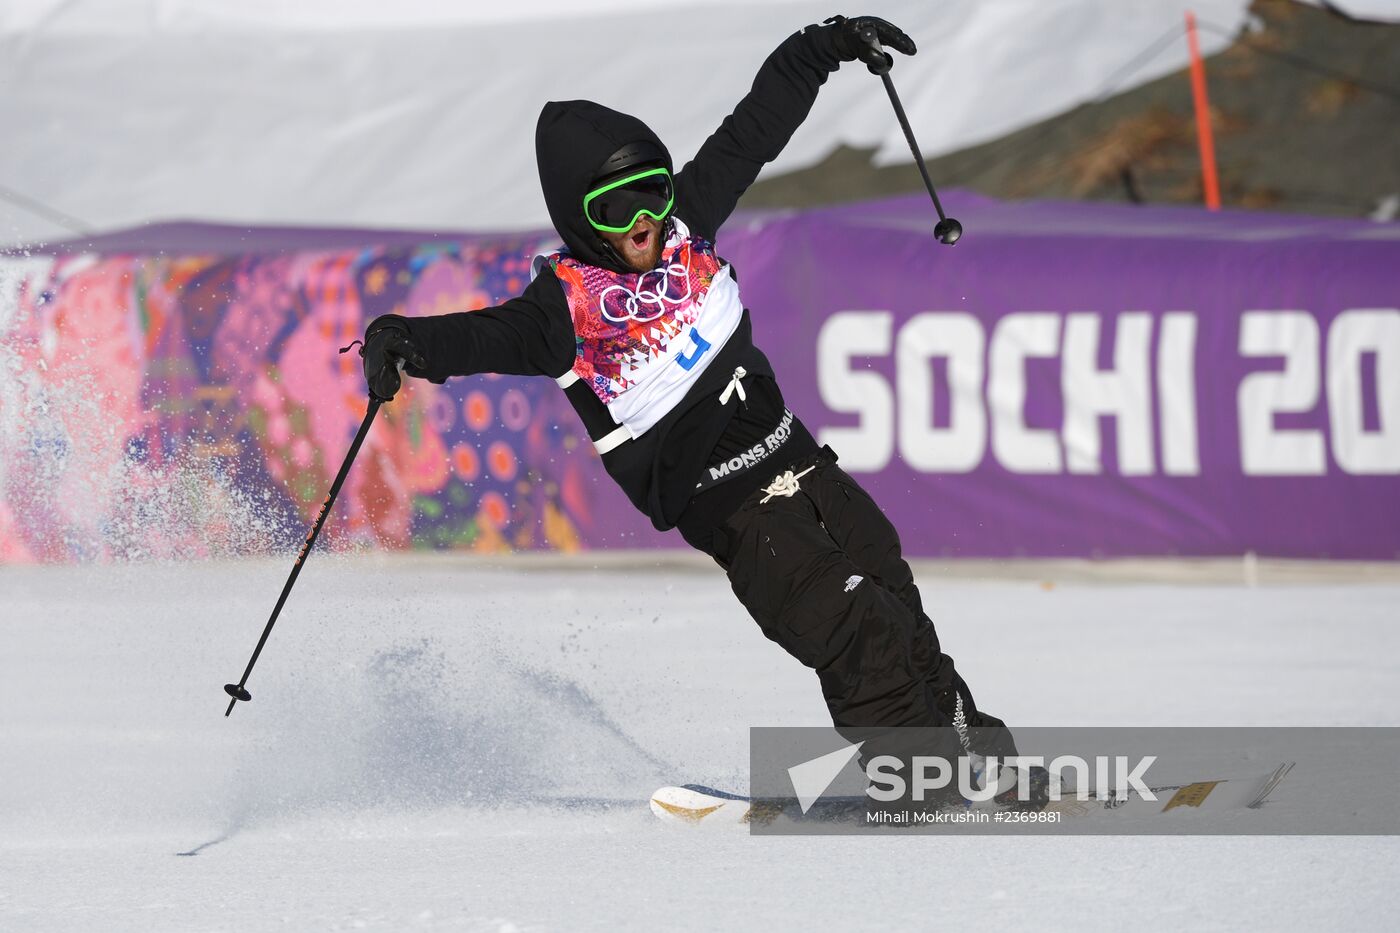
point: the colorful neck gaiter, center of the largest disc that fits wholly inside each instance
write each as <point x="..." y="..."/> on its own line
<point x="642" y="338"/>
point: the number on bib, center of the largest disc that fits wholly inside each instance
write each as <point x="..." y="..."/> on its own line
<point x="701" y="345"/>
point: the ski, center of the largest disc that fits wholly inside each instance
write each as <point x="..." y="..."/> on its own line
<point x="695" y="803"/>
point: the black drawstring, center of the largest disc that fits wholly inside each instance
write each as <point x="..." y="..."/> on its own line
<point x="352" y="346"/>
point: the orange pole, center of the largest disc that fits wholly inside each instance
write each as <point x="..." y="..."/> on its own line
<point x="1210" y="180"/>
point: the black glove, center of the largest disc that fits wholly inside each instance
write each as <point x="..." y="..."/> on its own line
<point x="853" y="41"/>
<point x="387" y="342"/>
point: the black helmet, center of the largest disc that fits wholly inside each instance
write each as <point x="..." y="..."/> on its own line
<point x="575" y="142"/>
<point x="630" y="156"/>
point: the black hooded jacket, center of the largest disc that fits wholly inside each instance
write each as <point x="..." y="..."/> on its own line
<point x="533" y="334"/>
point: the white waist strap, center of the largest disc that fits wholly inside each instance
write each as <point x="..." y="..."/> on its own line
<point x="613" y="439"/>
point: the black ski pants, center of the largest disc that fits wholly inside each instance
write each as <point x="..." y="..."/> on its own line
<point x="822" y="574"/>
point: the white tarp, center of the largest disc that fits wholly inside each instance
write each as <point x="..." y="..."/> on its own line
<point x="418" y="114"/>
<point x="1381" y="11"/>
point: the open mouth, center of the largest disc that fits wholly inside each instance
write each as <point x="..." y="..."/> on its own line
<point x="641" y="239"/>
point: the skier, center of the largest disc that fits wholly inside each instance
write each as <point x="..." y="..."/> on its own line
<point x="639" y="320"/>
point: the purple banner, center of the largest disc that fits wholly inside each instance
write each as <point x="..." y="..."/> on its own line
<point x="1078" y="380"/>
<point x="1070" y="380"/>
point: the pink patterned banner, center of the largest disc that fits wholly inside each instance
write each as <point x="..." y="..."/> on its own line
<point x="175" y="404"/>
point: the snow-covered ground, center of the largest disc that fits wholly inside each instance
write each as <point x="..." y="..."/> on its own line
<point x="407" y="706"/>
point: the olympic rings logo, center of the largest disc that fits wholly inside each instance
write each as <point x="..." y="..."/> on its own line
<point x="647" y="304"/>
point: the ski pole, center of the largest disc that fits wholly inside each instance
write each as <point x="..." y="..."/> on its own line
<point x="238" y="691"/>
<point x="948" y="230"/>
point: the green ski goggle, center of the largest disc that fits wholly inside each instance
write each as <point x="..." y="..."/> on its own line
<point x="615" y="207"/>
